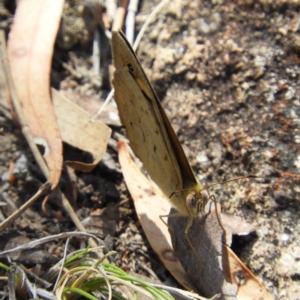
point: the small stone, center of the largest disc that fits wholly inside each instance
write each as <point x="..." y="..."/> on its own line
<point x="285" y="264"/>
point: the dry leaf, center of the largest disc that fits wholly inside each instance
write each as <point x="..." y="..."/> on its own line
<point x="78" y="131"/>
<point x="207" y="237"/>
<point x="90" y="104"/>
<point x="209" y="278"/>
<point x="248" y="286"/>
<point x="149" y="203"/>
<point x="30" y="50"/>
<point x="5" y="99"/>
<point x="220" y="271"/>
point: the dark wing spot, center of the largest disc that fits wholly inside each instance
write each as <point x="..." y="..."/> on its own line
<point x="156" y="131"/>
<point x="166" y="157"/>
<point x="154" y="148"/>
<point x="130" y="67"/>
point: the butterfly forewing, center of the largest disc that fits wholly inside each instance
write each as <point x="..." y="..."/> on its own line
<point x="148" y="129"/>
<point x="144" y="133"/>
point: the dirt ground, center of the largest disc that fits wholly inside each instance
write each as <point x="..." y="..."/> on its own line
<point x="228" y="75"/>
<point x="228" y="78"/>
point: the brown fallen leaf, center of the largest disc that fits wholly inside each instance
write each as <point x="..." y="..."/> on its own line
<point x="220" y="271"/>
<point x="248" y="286"/>
<point x="30" y="50"/>
<point x="5" y="99"/>
<point x="149" y="202"/>
<point x="90" y="104"/>
<point x="207" y="237"/>
<point x="78" y="131"/>
<point x="206" y="234"/>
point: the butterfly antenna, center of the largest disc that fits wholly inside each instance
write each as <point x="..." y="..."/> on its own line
<point x="180" y="191"/>
<point x="214" y="184"/>
<point x="226" y="181"/>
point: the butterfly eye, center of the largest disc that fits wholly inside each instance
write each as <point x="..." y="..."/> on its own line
<point x="130" y="67"/>
<point x="191" y="200"/>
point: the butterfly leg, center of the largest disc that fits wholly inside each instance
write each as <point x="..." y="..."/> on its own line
<point x="190" y="222"/>
<point x="171" y="230"/>
<point x="213" y="198"/>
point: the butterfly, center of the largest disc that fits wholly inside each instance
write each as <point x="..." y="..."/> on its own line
<point x="151" y="135"/>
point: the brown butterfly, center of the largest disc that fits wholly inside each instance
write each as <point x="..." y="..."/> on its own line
<point x="151" y="135"/>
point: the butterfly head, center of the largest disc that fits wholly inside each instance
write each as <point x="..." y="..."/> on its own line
<point x="195" y="201"/>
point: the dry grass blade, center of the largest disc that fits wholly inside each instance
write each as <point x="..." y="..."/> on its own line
<point x="157" y="9"/>
<point x="84" y="274"/>
<point x="150" y="18"/>
<point x="47" y="239"/>
<point x="130" y="20"/>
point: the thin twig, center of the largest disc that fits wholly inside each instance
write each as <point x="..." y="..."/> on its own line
<point x="120" y="15"/>
<point x="36" y="278"/>
<point x="47" y="239"/>
<point x="69" y="209"/>
<point x="62" y="265"/>
<point x="107" y="100"/>
<point x="150" y="18"/>
<point x="43" y="190"/>
<point x="155" y="11"/>
<point x="130" y="20"/>
<point x="96" y="52"/>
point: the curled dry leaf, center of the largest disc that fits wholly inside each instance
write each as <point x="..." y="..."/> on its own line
<point x="78" y="131"/>
<point x="30" y="50"/>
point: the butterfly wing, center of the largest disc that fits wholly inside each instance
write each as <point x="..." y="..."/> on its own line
<point x="148" y="129"/>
